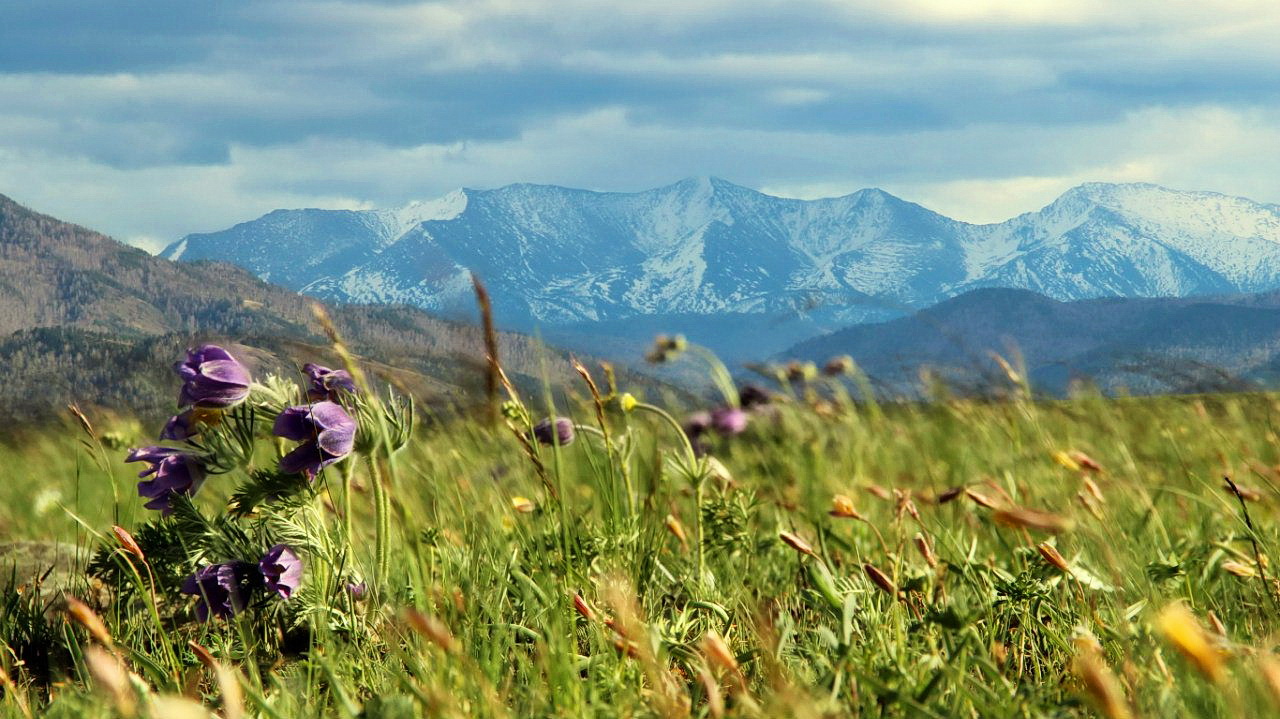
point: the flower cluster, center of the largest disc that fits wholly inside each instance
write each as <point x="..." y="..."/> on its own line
<point x="226" y="589"/>
<point x="215" y="432"/>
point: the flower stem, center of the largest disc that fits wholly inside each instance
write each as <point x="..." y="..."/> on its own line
<point x="382" y="525"/>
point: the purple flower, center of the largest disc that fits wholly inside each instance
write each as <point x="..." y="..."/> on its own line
<point x="728" y="421"/>
<point x="172" y="471"/>
<point x="326" y="382"/>
<point x="550" y="432"/>
<point x="281" y="570"/>
<point x="694" y="428"/>
<point x="358" y="591"/>
<point x="212" y="378"/>
<point x="223" y="589"/>
<point x="327" y="434"/>
<point x="189" y="423"/>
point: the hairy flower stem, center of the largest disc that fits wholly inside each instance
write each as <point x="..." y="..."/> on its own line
<point x="382" y="525"/>
<point x="348" y="499"/>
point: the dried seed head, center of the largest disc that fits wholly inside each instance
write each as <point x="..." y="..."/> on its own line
<point x="1101" y="683"/>
<point x="1086" y="462"/>
<point x="999" y="652"/>
<point x="1239" y="569"/>
<point x="925" y="547"/>
<point x="1024" y="518"/>
<point x="718" y="653"/>
<point x="880" y="579"/>
<point x="950" y="495"/>
<point x="1092" y="488"/>
<point x="432" y="629"/>
<point x="1179" y="627"/>
<point x="842" y="506"/>
<point x="582" y="608"/>
<point x="796" y="543"/>
<point x="1269" y="667"/>
<point x="1245" y="493"/>
<point x="1217" y="624"/>
<point x="980" y="499"/>
<point x="85" y="617"/>
<point x="1053" y="557"/>
<point x="677" y="530"/>
<point x="127" y="542"/>
<point x="111" y="677"/>
<point x="879" y="491"/>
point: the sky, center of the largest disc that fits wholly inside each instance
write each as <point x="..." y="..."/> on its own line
<point x="150" y="119"/>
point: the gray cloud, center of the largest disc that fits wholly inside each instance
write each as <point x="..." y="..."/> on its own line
<point x="151" y="119"/>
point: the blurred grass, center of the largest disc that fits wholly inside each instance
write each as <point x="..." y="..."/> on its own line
<point x="992" y="631"/>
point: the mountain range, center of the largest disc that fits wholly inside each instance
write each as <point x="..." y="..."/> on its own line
<point x="744" y="272"/>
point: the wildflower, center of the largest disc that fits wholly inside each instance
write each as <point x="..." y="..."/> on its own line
<point x="172" y="471"/>
<point x="281" y="569"/>
<point x="189" y="423"/>
<point x="523" y="505"/>
<point x="223" y="589"/>
<point x="212" y="378"/>
<point x="558" y="431"/>
<point x="357" y="591"/>
<point x="327" y="434"/>
<point x="801" y="371"/>
<point x="837" y="366"/>
<point x="728" y="421"/>
<point x="842" y="506"/>
<point x="627" y="402"/>
<point x="666" y="348"/>
<point x="325" y="382"/>
<point x="698" y="424"/>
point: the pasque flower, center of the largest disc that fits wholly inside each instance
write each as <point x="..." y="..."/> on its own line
<point x="211" y="377"/>
<point x="728" y="421"/>
<point x="223" y="589"/>
<point x="189" y="423"/>
<point x="558" y="431"/>
<point x="325" y="382"/>
<point x="281" y="569"/>
<point x="327" y="434"/>
<point x="172" y="471"/>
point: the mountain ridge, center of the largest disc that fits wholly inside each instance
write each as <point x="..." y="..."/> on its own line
<point x="555" y="256"/>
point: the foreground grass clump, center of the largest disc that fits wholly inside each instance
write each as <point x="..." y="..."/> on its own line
<point x="955" y="558"/>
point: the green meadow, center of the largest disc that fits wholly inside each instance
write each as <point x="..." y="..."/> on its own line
<point x="949" y="558"/>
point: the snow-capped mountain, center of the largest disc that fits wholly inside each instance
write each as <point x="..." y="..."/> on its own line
<point x="553" y="256"/>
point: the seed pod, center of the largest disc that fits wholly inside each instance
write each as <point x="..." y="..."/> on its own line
<point x="926" y="550"/>
<point x="1053" y="557"/>
<point x="677" y="530"/>
<point x="1086" y="462"/>
<point x="716" y="650"/>
<point x="880" y="579"/>
<point x="950" y="495"/>
<point x="582" y="608"/>
<point x="980" y="499"/>
<point x="796" y="543"/>
<point x="127" y="542"/>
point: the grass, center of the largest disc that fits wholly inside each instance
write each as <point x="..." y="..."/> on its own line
<point x="576" y="592"/>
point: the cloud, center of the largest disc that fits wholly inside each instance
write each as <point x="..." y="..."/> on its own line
<point x="150" y="122"/>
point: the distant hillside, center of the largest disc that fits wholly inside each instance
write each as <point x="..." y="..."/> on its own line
<point x="88" y="319"/>
<point x="1144" y="345"/>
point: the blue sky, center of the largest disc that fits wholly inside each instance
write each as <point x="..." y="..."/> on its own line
<point x="149" y="119"/>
